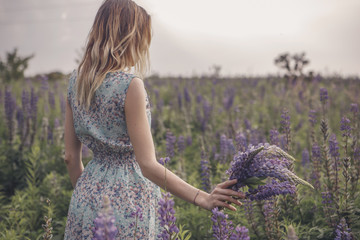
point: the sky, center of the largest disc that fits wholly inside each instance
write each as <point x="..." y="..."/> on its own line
<point x="190" y="36"/>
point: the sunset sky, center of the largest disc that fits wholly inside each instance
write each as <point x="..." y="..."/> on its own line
<point x="242" y="36"/>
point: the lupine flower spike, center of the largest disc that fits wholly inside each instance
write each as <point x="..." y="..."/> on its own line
<point x="253" y="166"/>
<point x="104" y="223"/>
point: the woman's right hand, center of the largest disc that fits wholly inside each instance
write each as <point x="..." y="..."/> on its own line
<point x="221" y="196"/>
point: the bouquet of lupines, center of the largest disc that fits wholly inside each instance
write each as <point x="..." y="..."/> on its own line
<point x="266" y="170"/>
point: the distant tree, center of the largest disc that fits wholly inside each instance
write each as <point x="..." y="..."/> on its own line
<point x="14" y="66"/>
<point x="292" y="64"/>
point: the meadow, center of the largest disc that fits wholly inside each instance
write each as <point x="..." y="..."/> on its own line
<point x="200" y="123"/>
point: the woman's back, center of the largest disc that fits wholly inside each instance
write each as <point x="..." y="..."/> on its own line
<point x="113" y="171"/>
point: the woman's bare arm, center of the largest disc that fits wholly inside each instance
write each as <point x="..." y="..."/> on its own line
<point x="73" y="148"/>
<point x="142" y="141"/>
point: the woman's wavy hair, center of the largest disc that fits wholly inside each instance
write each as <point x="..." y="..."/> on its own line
<point x="119" y="40"/>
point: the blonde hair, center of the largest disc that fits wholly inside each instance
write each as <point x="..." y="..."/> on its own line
<point x="118" y="41"/>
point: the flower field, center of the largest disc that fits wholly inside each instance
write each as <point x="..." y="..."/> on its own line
<point x="200" y="126"/>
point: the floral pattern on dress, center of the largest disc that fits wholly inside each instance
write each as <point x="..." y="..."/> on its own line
<point x="113" y="171"/>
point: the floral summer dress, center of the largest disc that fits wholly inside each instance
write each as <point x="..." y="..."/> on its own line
<point x="113" y="171"/>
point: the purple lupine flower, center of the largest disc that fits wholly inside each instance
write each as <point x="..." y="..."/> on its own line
<point x="305" y="160"/>
<point x="56" y="123"/>
<point x="240" y="233"/>
<point x="51" y="99"/>
<point x="228" y="100"/>
<point x="316" y="158"/>
<point x="187" y="95"/>
<point x="206" y="109"/>
<point x="343" y="232"/>
<point x="274" y="137"/>
<point x="247" y="124"/>
<point x="9" y="105"/>
<point x="285" y="126"/>
<point x="241" y="141"/>
<point x="205" y="173"/>
<point x="167" y="217"/>
<point x="170" y="144"/>
<point x="262" y="161"/>
<point x="221" y="227"/>
<point x="138" y="217"/>
<point x="323" y="96"/>
<point x="345" y="127"/>
<point x="326" y="198"/>
<point x="181" y="144"/>
<point x="189" y="140"/>
<point x="334" y="146"/>
<point x="164" y="161"/>
<point x="223" y="147"/>
<point x="270" y="190"/>
<point x="104" y="223"/>
<point x="10" y="108"/>
<point x="25" y="101"/>
<point x="312" y="117"/>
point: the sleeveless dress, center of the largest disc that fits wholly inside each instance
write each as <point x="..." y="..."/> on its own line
<point x="113" y="171"/>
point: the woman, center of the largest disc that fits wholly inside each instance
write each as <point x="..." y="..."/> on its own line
<point x="108" y="111"/>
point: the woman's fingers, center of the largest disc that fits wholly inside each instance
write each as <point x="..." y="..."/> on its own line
<point x="224" y="204"/>
<point x="229" y="192"/>
<point x="227" y="183"/>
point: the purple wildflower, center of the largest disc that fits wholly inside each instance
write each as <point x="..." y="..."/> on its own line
<point x="228" y="98"/>
<point x="164" y="161"/>
<point x="181" y="144"/>
<point x="205" y="173"/>
<point x="187" y="95"/>
<point x="285" y="126"/>
<point x="260" y="162"/>
<point x="221" y="227"/>
<point x="25" y="101"/>
<point x="333" y="146"/>
<point x="323" y="96"/>
<point x="104" y="223"/>
<point x="223" y="147"/>
<point x="316" y="157"/>
<point x="241" y="142"/>
<point x="343" y="232"/>
<point x="269" y="190"/>
<point x="167" y="217"/>
<point x="10" y="108"/>
<point x="189" y="141"/>
<point x="240" y="233"/>
<point x="345" y="127"/>
<point x="312" y="117"/>
<point x="274" y="137"/>
<point x="170" y="144"/>
<point x="138" y="217"/>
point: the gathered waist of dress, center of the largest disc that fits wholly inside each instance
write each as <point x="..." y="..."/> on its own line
<point x="116" y="158"/>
